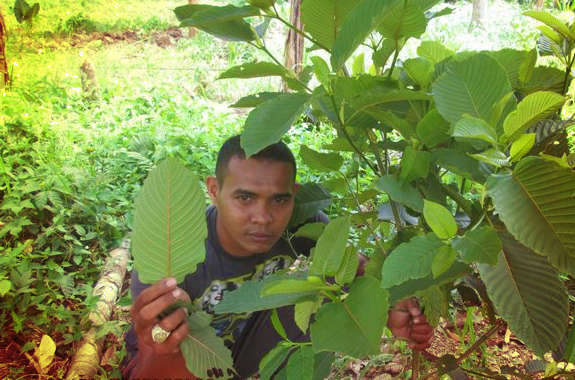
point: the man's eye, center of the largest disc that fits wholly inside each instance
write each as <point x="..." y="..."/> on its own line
<point x="244" y="198"/>
<point x="280" y="200"/>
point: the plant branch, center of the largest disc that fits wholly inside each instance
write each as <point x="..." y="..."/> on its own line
<point x="348" y="138"/>
<point x="414" y="364"/>
<point x="474" y="347"/>
<point x="367" y="222"/>
<point x="297" y="30"/>
<point x="394" y="60"/>
<point x="458" y="198"/>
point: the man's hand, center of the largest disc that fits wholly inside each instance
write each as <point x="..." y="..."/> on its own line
<point x="406" y="321"/>
<point x="147" y="309"/>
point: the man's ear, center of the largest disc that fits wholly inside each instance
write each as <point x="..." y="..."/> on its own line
<point x="213" y="189"/>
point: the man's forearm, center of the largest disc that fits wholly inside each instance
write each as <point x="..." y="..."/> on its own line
<point x="148" y="365"/>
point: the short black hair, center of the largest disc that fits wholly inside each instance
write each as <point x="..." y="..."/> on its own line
<point x="232" y="148"/>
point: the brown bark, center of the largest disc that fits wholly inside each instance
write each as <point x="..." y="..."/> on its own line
<point x="294" y="42"/>
<point x="478" y="15"/>
<point x="192" y="31"/>
<point x="4" y="78"/>
<point x="86" y="361"/>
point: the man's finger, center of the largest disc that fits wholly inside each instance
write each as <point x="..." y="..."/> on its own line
<point x="172" y="344"/>
<point x="150" y="311"/>
<point x="151" y="293"/>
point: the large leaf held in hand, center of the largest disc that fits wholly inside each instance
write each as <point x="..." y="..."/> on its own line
<point x="268" y="122"/>
<point x="203" y="349"/>
<point x="537" y="204"/>
<point x="170" y="224"/>
<point x="527" y="292"/>
<point x="354" y="326"/>
<point x="473" y="87"/>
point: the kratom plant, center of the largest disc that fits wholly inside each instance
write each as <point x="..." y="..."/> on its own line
<point x="472" y="167"/>
<point x="168" y="240"/>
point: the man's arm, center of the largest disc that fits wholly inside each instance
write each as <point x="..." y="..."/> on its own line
<point x="160" y="360"/>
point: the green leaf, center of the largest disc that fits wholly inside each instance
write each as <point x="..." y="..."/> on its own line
<point x="510" y="59"/>
<point x="256" y="99"/>
<point x="526" y="291"/>
<point x="534" y="107"/>
<point x="569" y="354"/>
<point x="421" y="70"/>
<point x="439" y="219"/>
<point x="268" y="122"/>
<point x="323" y="18"/>
<point x="551" y="21"/>
<point x="413" y="287"/>
<point x="203" y="349"/>
<point x="348" y="268"/>
<point x="405" y="194"/>
<point x="434" y="302"/>
<point x="359" y="23"/>
<point x="321" y="162"/>
<point x="321" y="70"/>
<point x="224" y="22"/>
<point x="354" y="326"/>
<point x="435" y="51"/>
<point x="309" y="200"/>
<point x="21" y="7"/>
<point x="481" y="245"/>
<point x="469" y="127"/>
<point x="278" y="326"/>
<point x="472" y="86"/>
<point x="300" y="364"/>
<point x="294" y="286"/>
<point x="522" y="146"/>
<point x="303" y="312"/>
<point x="272" y="360"/>
<point x="403" y="20"/>
<point x="358" y="66"/>
<point x="493" y="157"/>
<point x="528" y="65"/>
<point x="381" y="56"/>
<point x="330" y="248"/>
<point x="414" y="164"/>
<point x="247" y="298"/>
<point x="410" y="260"/>
<point x="378" y="100"/>
<point x="5" y="286"/>
<point x="311" y="230"/>
<point x="537" y="204"/>
<point x="169" y="224"/>
<point x="458" y="163"/>
<point x="263" y="4"/>
<point x="33" y="12"/>
<point x="254" y="70"/>
<point x="433" y="129"/>
<point x="445" y="257"/>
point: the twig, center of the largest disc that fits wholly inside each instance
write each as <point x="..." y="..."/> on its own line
<point x="414" y="364"/>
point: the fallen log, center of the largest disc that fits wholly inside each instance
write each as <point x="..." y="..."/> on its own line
<point x="86" y="361"/>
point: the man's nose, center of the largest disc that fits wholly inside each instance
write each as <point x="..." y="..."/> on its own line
<point x="262" y="214"/>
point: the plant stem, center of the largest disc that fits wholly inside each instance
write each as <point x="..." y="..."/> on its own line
<point x="414" y="364"/>
<point x="458" y="198"/>
<point x="469" y="351"/>
<point x="394" y="60"/>
<point x="348" y="138"/>
<point x="297" y="30"/>
<point x="367" y="222"/>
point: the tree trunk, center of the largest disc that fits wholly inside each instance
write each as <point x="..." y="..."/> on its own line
<point x="86" y="361"/>
<point x="478" y="15"/>
<point x="192" y="31"/>
<point x="539" y="4"/>
<point x="294" y="42"/>
<point x="3" y="61"/>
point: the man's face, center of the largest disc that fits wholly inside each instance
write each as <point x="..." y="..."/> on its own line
<point x="254" y="202"/>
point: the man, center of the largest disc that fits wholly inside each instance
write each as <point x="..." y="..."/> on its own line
<point x="253" y="201"/>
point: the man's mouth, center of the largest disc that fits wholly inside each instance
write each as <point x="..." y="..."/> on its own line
<point x="260" y="237"/>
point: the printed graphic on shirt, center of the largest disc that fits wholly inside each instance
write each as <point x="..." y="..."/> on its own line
<point x="230" y="326"/>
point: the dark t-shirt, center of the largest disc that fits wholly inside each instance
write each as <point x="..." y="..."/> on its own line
<point x="222" y="272"/>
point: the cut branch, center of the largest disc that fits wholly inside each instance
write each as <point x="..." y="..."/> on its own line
<point x="87" y="358"/>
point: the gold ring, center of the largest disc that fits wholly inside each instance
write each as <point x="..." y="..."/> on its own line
<point x="159" y="335"/>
